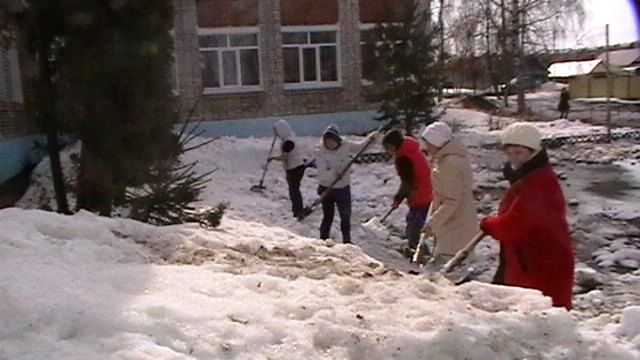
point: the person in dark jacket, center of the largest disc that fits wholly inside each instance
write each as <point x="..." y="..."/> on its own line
<point x="415" y="181"/>
<point x="535" y="244"/>
<point x="563" y="104"/>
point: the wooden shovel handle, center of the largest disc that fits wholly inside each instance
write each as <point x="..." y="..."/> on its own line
<point x="463" y="253"/>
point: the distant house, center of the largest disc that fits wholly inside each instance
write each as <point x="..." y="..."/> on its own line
<point x="258" y="59"/>
<point x="622" y="58"/>
<point x="588" y="79"/>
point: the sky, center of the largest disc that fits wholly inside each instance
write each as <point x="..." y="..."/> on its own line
<point x="619" y="14"/>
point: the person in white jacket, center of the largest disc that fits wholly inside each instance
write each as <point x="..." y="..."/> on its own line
<point x="332" y="156"/>
<point x="294" y="161"/>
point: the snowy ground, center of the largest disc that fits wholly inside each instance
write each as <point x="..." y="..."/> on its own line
<point x="543" y="106"/>
<point x="263" y="287"/>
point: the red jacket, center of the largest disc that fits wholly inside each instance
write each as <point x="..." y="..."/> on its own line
<point x="534" y="236"/>
<point x="415" y="174"/>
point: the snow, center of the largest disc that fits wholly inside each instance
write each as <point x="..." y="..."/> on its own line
<point x="631" y="321"/>
<point x="569" y="69"/>
<point x="263" y="286"/>
<point x="82" y="286"/>
<point x="604" y="100"/>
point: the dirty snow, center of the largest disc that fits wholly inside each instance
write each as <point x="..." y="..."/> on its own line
<point x="263" y="286"/>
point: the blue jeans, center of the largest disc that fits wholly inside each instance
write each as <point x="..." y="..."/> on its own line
<point x="415" y="221"/>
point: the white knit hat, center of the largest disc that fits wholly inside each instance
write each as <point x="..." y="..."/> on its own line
<point x="523" y="134"/>
<point x="437" y="134"/>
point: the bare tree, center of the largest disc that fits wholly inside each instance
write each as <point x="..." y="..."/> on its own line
<point x="510" y="31"/>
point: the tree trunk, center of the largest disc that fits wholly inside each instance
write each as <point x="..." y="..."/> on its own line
<point x="441" y="50"/>
<point x="517" y="33"/>
<point x="94" y="182"/>
<point x="487" y="35"/>
<point x="506" y="53"/>
<point x="47" y="117"/>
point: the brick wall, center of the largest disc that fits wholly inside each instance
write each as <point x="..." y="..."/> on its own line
<point x="9" y="123"/>
<point x="274" y="99"/>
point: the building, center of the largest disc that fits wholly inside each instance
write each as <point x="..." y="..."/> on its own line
<point x="17" y="134"/>
<point x="588" y="79"/>
<point x="240" y="63"/>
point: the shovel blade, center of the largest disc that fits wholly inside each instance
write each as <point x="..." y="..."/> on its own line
<point x="258" y="188"/>
<point x="375" y="228"/>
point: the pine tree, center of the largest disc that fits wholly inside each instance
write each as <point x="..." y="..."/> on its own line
<point x="407" y="74"/>
<point x="118" y="94"/>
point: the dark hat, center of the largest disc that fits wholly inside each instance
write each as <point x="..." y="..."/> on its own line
<point x="394" y="138"/>
<point x="332" y="132"/>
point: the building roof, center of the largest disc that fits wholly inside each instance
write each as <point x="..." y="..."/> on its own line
<point x="622" y="58"/>
<point x="575" y="68"/>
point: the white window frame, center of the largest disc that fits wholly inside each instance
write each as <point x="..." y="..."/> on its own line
<point x="226" y="89"/>
<point x="317" y="84"/>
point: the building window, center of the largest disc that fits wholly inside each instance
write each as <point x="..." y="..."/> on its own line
<point x="311" y="57"/>
<point x="230" y="60"/>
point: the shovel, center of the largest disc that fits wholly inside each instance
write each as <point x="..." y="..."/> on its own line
<point x="376" y="227"/>
<point x="462" y="254"/>
<point x="258" y="188"/>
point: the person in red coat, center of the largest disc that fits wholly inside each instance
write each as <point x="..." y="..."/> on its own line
<point x="415" y="182"/>
<point x="535" y="245"/>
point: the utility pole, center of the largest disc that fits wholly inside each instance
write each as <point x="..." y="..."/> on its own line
<point x="608" y="85"/>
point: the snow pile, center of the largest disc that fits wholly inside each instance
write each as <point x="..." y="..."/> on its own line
<point x="85" y="287"/>
<point x="564" y="127"/>
<point x="626" y="256"/>
<point x="631" y="323"/>
<point x="41" y="193"/>
<point x="552" y="86"/>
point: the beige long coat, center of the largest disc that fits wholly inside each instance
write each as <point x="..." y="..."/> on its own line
<point x="452" y="216"/>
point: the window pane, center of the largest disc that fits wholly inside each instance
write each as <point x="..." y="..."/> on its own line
<point x="318" y="37"/>
<point x="309" y="67"/>
<point x="210" y="76"/>
<point x="212" y="41"/>
<point x="291" y="65"/>
<point x="328" y="64"/>
<point x="229" y="68"/>
<point x="294" y="38"/>
<point x="244" y="40"/>
<point x="249" y="67"/>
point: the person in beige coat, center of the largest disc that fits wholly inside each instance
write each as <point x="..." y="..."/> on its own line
<point x="452" y="217"/>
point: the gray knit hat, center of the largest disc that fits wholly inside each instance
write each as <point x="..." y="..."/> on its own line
<point x="332" y="132"/>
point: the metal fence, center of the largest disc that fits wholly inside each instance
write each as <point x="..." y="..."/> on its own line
<point x="551" y="143"/>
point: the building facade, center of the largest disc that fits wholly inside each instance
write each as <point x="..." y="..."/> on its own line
<point x="254" y="59"/>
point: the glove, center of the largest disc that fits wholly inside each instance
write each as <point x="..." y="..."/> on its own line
<point x="374" y="134"/>
<point x="484" y="224"/>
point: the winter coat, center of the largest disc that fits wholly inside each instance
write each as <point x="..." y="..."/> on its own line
<point x="414" y="171"/>
<point x="452" y="216"/>
<point x="330" y="163"/>
<point x="531" y="226"/>
<point x="293" y="155"/>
